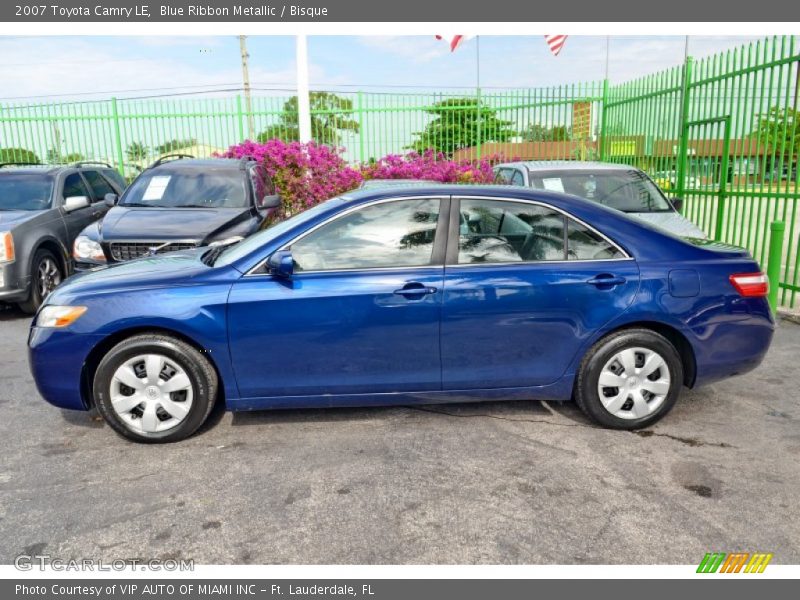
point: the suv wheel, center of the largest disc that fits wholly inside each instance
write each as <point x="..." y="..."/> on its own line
<point x="45" y="277"/>
<point x="629" y="380"/>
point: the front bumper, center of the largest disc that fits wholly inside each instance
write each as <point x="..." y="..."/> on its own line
<point x="57" y="358"/>
<point x="14" y="285"/>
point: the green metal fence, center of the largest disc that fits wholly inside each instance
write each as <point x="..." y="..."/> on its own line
<point x="723" y="133"/>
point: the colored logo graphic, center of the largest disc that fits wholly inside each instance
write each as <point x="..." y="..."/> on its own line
<point x="738" y="562"/>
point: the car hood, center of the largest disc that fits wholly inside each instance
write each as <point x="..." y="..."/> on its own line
<point x="175" y="268"/>
<point x="672" y="222"/>
<point x="125" y="224"/>
<point x="12" y="218"/>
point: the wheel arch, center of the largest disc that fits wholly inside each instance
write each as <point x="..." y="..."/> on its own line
<point x="56" y="248"/>
<point x="675" y="337"/>
<point x="101" y="349"/>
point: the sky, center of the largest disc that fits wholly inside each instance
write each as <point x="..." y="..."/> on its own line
<point x="83" y="67"/>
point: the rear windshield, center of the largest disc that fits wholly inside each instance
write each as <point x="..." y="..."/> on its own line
<point x="187" y="189"/>
<point x="626" y="190"/>
<point x="25" y="191"/>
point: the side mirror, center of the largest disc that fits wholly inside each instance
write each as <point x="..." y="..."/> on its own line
<point x="281" y="264"/>
<point x="111" y="200"/>
<point x="75" y="203"/>
<point x="677" y="203"/>
<point x="271" y="201"/>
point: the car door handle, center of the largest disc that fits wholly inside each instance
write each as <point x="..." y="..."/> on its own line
<point x="415" y="290"/>
<point x="606" y="279"/>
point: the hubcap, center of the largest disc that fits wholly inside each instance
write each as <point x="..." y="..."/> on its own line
<point x="151" y="393"/>
<point x="48" y="277"/>
<point x="634" y="383"/>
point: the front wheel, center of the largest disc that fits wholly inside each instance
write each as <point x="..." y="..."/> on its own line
<point x="155" y="389"/>
<point x="45" y="277"/>
<point x="629" y="380"/>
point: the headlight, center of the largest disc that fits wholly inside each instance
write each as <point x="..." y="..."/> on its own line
<point x="227" y="241"/>
<point x="87" y="248"/>
<point x="59" y="316"/>
<point x="6" y="247"/>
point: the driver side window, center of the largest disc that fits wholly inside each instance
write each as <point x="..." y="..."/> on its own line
<point x="74" y="186"/>
<point x="399" y="233"/>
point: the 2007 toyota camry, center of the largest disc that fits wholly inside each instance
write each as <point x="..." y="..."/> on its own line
<point x="399" y="296"/>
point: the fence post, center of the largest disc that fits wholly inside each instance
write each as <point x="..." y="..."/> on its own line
<point x="602" y="136"/>
<point x="240" y="116"/>
<point x="117" y="137"/>
<point x="683" y="144"/>
<point x="776" y="229"/>
<point x="360" y="111"/>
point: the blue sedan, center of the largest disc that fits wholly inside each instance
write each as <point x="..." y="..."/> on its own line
<point x="407" y="296"/>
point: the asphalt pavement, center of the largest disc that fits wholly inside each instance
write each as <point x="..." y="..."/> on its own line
<point x="507" y="482"/>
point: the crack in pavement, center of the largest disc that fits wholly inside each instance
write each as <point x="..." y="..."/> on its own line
<point x="640" y="432"/>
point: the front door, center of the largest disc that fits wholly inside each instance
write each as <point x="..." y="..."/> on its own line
<point x="524" y="287"/>
<point x="360" y="313"/>
<point x="76" y="220"/>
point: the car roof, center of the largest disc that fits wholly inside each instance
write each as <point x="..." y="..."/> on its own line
<point x="566" y="165"/>
<point x="199" y="163"/>
<point x="40" y="169"/>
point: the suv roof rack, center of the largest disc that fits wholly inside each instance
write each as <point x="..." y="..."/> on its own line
<point x="168" y="158"/>
<point x="83" y="163"/>
<point x="21" y="164"/>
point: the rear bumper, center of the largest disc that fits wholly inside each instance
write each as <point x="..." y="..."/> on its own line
<point x="57" y="359"/>
<point x="728" y="348"/>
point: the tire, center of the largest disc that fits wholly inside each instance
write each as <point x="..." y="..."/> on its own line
<point x="46" y="274"/>
<point x="159" y="363"/>
<point x="632" y="397"/>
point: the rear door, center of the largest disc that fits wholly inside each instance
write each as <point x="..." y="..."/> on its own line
<point x="525" y="285"/>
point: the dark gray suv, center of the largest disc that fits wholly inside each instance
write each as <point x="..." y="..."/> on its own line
<point x="42" y="211"/>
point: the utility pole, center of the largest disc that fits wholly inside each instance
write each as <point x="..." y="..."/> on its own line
<point x="303" y="100"/>
<point x="248" y="104"/>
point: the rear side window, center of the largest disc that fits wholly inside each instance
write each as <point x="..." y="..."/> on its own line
<point x="114" y="177"/>
<point x="99" y="185"/>
<point x="585" y="244"/>
<point x="495" y="231"/>
<point x="74" y="186"/>
<point x="498" y="231"/>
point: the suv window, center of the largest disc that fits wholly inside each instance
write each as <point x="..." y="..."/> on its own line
<point x="628" y="190"/>
<point x="74" y="186"/>
<point x="503" y="176"/>
<point x="187" y="187"/>
<point x="392" y="234"/>
<point x="262" y="183"/>
<point x="25" y="191"/>
<point x="517" y="178"/>
<point x="99" y="185"/>
<point x="499" y="231"/>
<point x="114" y="177"/>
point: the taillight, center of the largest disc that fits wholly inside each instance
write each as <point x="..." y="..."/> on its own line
<point x="751" y="285"/>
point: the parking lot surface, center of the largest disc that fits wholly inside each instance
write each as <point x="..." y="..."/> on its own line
<point x="522" y="482"/>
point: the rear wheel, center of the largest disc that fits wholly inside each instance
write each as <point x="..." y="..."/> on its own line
<point x="629" y="379"/>
<point x="155" y="389"/>
<point x="45" y="277"/>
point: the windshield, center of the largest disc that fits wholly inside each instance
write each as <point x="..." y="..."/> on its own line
<point x="25" y="191"/>
<point x="185" y="189"/>
<point x="257" y="240"/>
<point x="626" y="190"/>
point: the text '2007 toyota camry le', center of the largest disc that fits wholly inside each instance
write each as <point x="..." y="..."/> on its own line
<point x="400" y="296"/>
